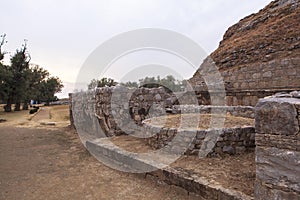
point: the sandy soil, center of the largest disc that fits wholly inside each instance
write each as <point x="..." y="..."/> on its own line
<point x="235" y="172"/>
<point x="202" y="120"/>
<point x="49" y="162"/>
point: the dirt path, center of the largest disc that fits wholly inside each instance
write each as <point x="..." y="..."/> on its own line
<point x="52" y="164"/>
<point x="43" y="114"/>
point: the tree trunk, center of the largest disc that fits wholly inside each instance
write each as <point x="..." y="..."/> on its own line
<point x="7" y="107"/>
<point x="17" y="106"/>
<point x="25" y="105"/>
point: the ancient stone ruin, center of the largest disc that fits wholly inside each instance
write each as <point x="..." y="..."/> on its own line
<point x="278" y="147"/>
<point x="258" y="57"/>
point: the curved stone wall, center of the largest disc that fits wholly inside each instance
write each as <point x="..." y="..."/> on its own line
<point x="230" y="140"/>
<point x="237" y="111"/>
<point x="116" y="107"/>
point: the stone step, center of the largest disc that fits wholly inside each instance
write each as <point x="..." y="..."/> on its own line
<point x="119" y="159"/>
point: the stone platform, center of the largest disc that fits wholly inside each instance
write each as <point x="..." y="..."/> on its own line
<point x="120" y="159"/>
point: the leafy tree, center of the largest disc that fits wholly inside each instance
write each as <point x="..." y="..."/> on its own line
<point x="47" y="89"/>
<point x="101" y="83"/>
<point x="169" y="83"/>
<point x="5" y="78"/>
<point x="2" y="42"/>
<point x="20" y="81"/>
<point x="19" y="66"/>
<point x="35" y="75"/>
<point x="130" y="84"/>
<point x="148" y="82"/>
<point x="5" y="74"/>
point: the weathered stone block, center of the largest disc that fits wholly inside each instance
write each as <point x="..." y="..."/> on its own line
<point x="278" y="167"/>
<point x="264" y="191"/>
<point x="276" y="116"/>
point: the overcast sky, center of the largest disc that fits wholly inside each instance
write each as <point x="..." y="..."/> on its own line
<point x="61" y="34"/>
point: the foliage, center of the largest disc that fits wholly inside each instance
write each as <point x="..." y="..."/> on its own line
<point x="2" y="42"/>
<point x="130" y="84"/>
<point x="20" y="82"/>
<point x="17" y="84"/>
<point x="5" y="78"/>
<point x="101" y="83"/>
<point x="47" y="88"/>
<point x="35" y="75"/>
<point x="169" y="83"/>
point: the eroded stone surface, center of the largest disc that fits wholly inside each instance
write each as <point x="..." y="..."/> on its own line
<point x="278" y="148"/>
<point x="276" y="116"/>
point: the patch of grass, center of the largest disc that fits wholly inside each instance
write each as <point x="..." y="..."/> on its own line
<point x="59" y="113"/>
<point x="14" y="117"/>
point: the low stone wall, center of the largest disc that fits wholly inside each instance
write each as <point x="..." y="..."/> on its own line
<point x="278" y="147"/>
<point x="127" y="161"/>
<point x="83" y="114"/>
<point x="119" y="107"/>
<point x="237" y="111"/>
<point x="102" y="112"/>
<point x="229" y="140"/>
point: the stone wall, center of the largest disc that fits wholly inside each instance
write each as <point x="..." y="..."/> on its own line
<point x="83" y="114"/>
<point x="229" y="140"/>
<point x="120" y="109"/>
<point x="259" y="56"/>
<point x="246" y="85"/>
<point x="113" y="111"/>
<point x="237" y="111"/>
<point x="278" y="147"/>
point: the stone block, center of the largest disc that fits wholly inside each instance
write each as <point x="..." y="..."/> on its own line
<point x="278" y="167"/>
<point x="267" y="74"/>
<point x="276" y="116"/>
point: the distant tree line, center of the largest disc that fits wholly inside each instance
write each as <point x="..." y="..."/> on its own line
<point x="169" y="83"/>
<point x="20" y="81"/>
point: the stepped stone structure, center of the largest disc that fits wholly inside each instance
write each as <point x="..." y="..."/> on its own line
<point x="259" y="56"/>
<point x="278" y="148"/>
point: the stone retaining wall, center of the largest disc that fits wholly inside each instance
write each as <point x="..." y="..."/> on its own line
<point x="83" y="113"/>
<point x="126" y="161"/>
<point x="229" y="140"/>
<point x="237" y="111"/>
<point x="113" y="111"/>
<point x="278" y="148"/>
<point x="118" y="107"/>
<point x="247" y="84"/>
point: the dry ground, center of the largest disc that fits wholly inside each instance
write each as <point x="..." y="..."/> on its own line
<point x="234" y="172"/>
<point x="49" y="162"/>
<point x="199" y="121"/>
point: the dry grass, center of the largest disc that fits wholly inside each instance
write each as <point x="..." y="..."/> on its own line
<point x="58" y="114"/>
<point x="14" y="117"/>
